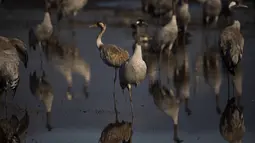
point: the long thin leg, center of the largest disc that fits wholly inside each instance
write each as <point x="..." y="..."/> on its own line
<point x="131" y="103"/>
<point x="114" y="80"/>
<point x="228" y="87"/>
<point x="176" y="138"/>
<point x="160" y="61"/>
<point x="5" y="104"/>
<point x="217" y="98"/>
<point x="115" y="107"/>
<point x="187" y="110"/>
<point x="48" y="120"/>
<point x="41" y="58"/>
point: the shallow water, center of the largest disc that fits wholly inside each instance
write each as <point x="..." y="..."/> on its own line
<point x="83" y="119"/>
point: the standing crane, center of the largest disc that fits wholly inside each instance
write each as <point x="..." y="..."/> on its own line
<point x="166" y="36"/>
<point x="183" y="15"/>
<point x="133" y="72"/>
<point x="231" y="46"/>
<point x="211" y="11"/>
<point x="112" y="55"/>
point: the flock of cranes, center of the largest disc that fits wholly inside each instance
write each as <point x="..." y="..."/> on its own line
<point x="168" y="41"/>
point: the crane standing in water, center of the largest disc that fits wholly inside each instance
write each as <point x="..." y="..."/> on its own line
<point x="133" y="72"/>
<point x="111" y="55"/>
<point x="231" y="45"/>
<point x="183" y="15"/>
<point x="211" y="11"/>
<point x="42" y="32"/>
<point x="167" y="35"/>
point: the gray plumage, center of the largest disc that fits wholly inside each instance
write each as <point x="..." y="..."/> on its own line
<point x="133" y="72"/>
<point x="232" y="127"/>
<point x="42" y="89"/>
<point x="167" y="35"/>
<point x="13" y="128"/>
<point x="183" y="15"/>
<point x="168" y="103"/>
<point x="211" y="11"/>
<point x="231" y="45"/>
<point x="41" y="33"/>
<point x="12" y="51"/>
<point x="69" y="7"/>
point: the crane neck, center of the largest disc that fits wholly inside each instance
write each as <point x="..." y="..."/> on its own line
<point x="138" y="51"/>
<point x="99" y="37"/>
<point x="47" y="19"/>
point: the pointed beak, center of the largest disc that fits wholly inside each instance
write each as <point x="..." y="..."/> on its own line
<point x="94" y="25"/>
<point x="242" y="5"/>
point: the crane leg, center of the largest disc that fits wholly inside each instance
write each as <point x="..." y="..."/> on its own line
<point x="176" y="138"/>
<point x="228" y="87"/>
<point x="217" y="99"/>
<point x="114" y="80"/>
<point x="131" y="103"/>
<point x="115" y="107"/>
<point x="48" y="124"/>
<point x="5" y="106"/>
<point x="187" y="110"/>
<point x="160" y="60"/>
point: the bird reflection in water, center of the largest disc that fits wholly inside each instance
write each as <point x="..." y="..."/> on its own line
<point x="167" y="102"/>
<point x="12" y="130"/>
<point x="117" y="132"/>
<point x="67" y="59"/>
<point x="181" y="72"/>
<point x="42" y="89"/>
<point x="232" y="127"/>
<point x="212" y="71"/>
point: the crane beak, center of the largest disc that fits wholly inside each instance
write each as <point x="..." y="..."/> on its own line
<point x="94" y="25"/>
<point x="242" y="5"/>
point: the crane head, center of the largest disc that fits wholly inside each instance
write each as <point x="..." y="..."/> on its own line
<point x="98" y="24"/>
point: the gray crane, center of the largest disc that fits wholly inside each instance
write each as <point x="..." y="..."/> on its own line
<point x="42" y="89"/>
<point x="66" y="59"/>
<point x="228" y="6"/>
<point x="232" y="126"/>
<point x="69" y="7"/>
<point x="12" y="129"/>
<point x="166" y="36"/>
<point x="133" y="72"/>
<point x="168" y="103"/>
<point x="157" y="8"/>
<point x="211" y="11"/>
<point x="112" y="55"/>
<point x="231" y="45"/>
<point x="41" y="33"/>
<point x="12" y="51"/>
<point x="140" y="32"/>
<point x="183" y="15"/>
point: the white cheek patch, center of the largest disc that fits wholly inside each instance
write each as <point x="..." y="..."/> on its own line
<point x="137" y="22"/>
<point x="233" y="3"/>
